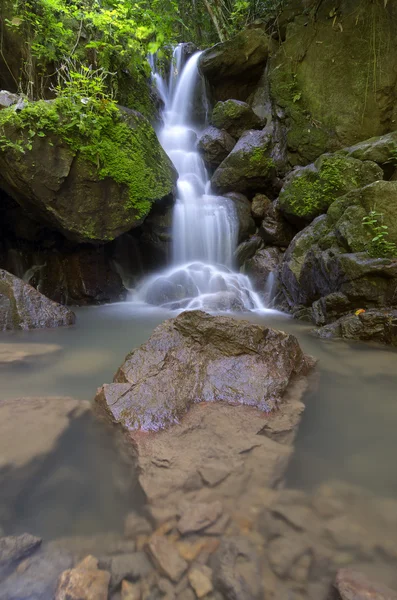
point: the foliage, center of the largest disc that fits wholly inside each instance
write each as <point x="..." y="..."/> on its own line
<point x="86" y="118"/>
<point x="380" y="246"/>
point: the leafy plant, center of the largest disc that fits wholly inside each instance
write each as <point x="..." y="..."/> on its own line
<point x="380" y="246"/>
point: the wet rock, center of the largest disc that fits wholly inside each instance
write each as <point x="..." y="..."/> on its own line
<point x="275" y="230"/>
<point x="199" y="516"/>
<point x="246" y="250"/>
<point x="200" y="357"/>
<point x="15" y="548"/>
<point x="259" y="207"/>
<point x="236" y="570"/>
<point x="128" y="566"/>
<point x="261" y="265"/>
<point x="327" y="309"/>
<point x="235" y="117"/>
<point x="84" y="582"/>
<point x="353" y="585"/>
<point x="130" y="591"/>
<point x="68" y="193"/>
<point x="36" y="577"/>
<point x="233" y="68"/>
<point x="200" y="579"/>
<point x="166" y="556"/>
<point x="246" y="225"/>
<point x="249" y="166"/>
<point x="23" y="307"/>
<point x="221" y="302"/>
<point x="215" y="145"/>
<point x="136" y="525"/>
<point x="373" y="325"/>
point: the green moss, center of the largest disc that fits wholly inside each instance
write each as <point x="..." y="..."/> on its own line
<point x="124" y="148"/>
<point x="312" y="192"/>
<point x="259" y="159"/>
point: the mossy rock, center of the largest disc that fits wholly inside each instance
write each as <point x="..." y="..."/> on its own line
<point x="381" y="149"/>
<point x="332" y="79"/>
<point x="235" y="117"/>
<point x="88" y="193"/>
<point x="330" y="256"/>
<point x="248" y="167"/>
<point x="309" y="191"/>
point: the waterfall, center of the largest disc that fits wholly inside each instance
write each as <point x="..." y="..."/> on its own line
<point x="205" y="226"/>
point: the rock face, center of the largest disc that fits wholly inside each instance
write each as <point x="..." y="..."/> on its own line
<point x="23" y="307"/>
<point x="326" y="266"/>
<point x="235" y="117"/>
<point x="233" y="68"/>
<point x="246" y="224"/>
<point x="215" y="145"/>
<point x="59" y="187"/>
<point x="197" y="357"/>
<point x="259" y="267"/>
<point x="275" y="230"/>
<point x="327" y="102"/>
<point x="248" y="167"/>
<point x="309" y="191"/>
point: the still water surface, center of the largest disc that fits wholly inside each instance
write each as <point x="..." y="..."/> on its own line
<point x="348" y="429"/>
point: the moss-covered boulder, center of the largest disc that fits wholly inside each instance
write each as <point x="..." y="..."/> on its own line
<point x="331" y="78"/>
<point x="334" y="266"/>
<point x="23" y="307"/>
<point x="309" y="191"/>
<point x="381" y="149"/>
<point x="233" y="68"/>
<point x="235" y="117"/>
<point x="215" y="145"/>
<point x="249" y="167"/>
<point x="89" y="191"/>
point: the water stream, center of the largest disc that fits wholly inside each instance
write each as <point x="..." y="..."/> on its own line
<point x="205" y="226"/>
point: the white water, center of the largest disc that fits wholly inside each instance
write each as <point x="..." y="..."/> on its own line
<point x="205" y="226"/>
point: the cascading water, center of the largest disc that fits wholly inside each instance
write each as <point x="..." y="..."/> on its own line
<point x="205" y="226"/>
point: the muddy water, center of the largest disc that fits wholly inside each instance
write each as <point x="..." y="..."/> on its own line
<point x="347" y="433"/>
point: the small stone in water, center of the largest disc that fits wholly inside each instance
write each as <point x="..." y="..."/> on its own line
<point x="201" y="580"/>
<point x="130" y="591"/>
<point x="199" y="516"/>
<point x="167" y="558"/>
<point x="84" y="582"/>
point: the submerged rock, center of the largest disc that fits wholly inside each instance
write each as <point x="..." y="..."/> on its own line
<point x="13" y="549"/>
<point x="197" y="357"/>
<point x="84" y="582"/>
<point x="215" y="145"/>
<point x="353" y="585"/>
<point x="235" y="117"/>
<point x="23" y="307"/>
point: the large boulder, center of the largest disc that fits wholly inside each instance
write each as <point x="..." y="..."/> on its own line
<point x="235" y="117"/>
<point x="330" y="90"/>
<point x="214" y="146"/>
<point x="23" y="307"/>
<point x="58" y="183"/>
<point x="372" y="325"/>
<point x="328" y="267"/>
<point x="249" y="167"/>
<point x="309" y="191"/>
<point x="200" y="358"/>
<point x="381" y="149"/>
<point x="233" y="68"/>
